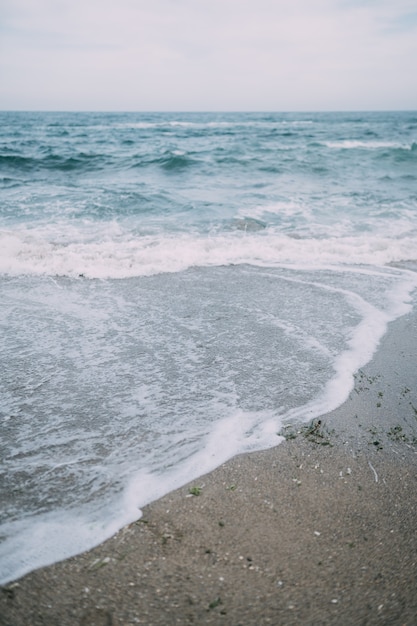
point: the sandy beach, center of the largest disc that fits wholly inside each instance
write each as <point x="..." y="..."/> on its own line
<point x="319" y="530"/>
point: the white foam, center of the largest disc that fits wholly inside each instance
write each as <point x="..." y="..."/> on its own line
<point x="240" y="432"/>
<point x="347" y="144"/>
<point x="124" y="256"/>
<point x="62" y="534"/>
<point x="221" y="124"/>
<point x="362" y="345"/>
<point x="56" y="536"/>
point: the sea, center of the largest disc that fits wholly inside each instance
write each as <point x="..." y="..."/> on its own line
<point x="176" y="289"/>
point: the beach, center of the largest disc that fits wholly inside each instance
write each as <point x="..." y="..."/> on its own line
<point x="207" y="326"/>
<point x="319" y="530"/>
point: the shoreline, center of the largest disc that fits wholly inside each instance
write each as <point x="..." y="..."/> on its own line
<point x="318" y="530"/>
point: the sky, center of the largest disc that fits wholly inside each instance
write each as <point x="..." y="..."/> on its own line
<point x="208" y="55"/>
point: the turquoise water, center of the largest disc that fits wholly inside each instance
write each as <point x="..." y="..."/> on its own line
<point x="176" y="287"/>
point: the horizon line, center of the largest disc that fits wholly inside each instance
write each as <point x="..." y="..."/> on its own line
<point x="213" y="111"/>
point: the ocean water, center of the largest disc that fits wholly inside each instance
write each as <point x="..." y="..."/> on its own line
<point x="176" y="288"/>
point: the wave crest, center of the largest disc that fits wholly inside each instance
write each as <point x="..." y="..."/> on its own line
<point x="126" y="256"/>
<point x="80" y="161"/>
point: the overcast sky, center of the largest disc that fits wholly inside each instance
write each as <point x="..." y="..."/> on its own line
<point x="166" y="55"/>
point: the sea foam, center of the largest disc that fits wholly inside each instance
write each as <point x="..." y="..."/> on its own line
<point x="124" y="256"/>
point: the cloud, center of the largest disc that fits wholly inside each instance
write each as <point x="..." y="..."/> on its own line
<point x="208" y="54"/>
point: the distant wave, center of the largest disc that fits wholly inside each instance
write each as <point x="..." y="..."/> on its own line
<point x="351" y="144"/>
<point x="169" y="161"/>
<point x="212" y="125"/>
<point x="80" y="161"/>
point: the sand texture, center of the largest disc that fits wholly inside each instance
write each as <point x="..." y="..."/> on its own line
<point x="320" y="530"/>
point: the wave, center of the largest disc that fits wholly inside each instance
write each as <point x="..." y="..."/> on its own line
<point x="124" y="256"/>
<point x="353" y="144"/>
<point x="174" y="160"/>
<point x="221" y="125"/>
<point x="169" y="161"/>
<point x="7" y="182"/>
<point x="91" y="509"/>
<point x="80" y="161"/>
<point x="10" y="161"/>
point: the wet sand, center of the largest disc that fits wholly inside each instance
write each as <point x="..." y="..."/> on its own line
<point x="320" y="530"/>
